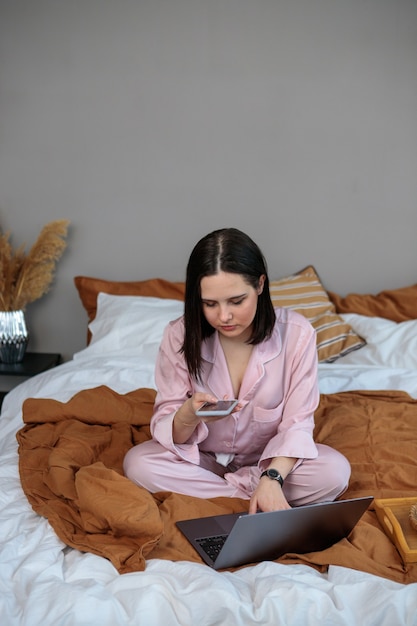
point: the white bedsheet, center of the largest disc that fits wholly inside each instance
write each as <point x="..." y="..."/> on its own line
<point x="42" y="582"/>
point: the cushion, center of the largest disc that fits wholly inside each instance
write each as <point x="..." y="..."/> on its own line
<point x="398" y="305"/>
<point x="304" y="293"/>
<point x="388" y="344"/>
<point x="88" y="289"/>
<point x="131" y="325"/>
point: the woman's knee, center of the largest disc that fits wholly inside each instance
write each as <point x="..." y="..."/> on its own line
<point x="338" y="473"/>
<point x="317" y="480"/>
<point x="129" y="462"/>
<point x="136" y="464"/>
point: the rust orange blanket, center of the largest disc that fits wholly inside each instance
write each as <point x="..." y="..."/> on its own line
<point x="70" y="459"/>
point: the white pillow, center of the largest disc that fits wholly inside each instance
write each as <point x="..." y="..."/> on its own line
<point x="133" y="325"/>
<point x="389" y="344"/>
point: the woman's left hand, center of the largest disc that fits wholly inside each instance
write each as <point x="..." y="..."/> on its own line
<point x="268" y="496"/>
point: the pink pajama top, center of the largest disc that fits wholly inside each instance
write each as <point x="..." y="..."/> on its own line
<point x="279" y="394"/>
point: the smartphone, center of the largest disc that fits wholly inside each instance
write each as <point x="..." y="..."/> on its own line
<point x="220" y="408"/>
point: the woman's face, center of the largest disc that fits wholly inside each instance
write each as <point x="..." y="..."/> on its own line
<point x="229" y="304"/>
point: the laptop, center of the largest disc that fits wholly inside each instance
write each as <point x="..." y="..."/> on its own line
<point x="239" y="538"/>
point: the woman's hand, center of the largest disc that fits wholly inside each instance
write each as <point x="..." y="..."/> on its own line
<point x="185" y="420"/>
<point x="268" y="496"/>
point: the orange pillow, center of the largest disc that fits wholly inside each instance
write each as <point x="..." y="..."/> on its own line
<point x="397" y="305"/>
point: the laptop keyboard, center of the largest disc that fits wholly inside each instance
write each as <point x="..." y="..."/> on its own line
<point x="212" y="545"/>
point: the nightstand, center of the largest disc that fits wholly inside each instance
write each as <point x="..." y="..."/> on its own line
<point x="33" y="363"/>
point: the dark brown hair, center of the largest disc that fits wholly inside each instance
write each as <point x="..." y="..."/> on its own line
<point x="225" y="250"/>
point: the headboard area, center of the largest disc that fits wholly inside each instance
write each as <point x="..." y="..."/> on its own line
<point x="302" y="291"/>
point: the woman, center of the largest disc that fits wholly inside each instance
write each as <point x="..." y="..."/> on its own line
<point x="231" y="343"/>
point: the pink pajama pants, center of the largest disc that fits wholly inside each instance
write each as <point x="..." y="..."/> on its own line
<point x="155" y="468"/>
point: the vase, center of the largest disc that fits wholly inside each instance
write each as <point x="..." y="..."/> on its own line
<point x="13" y="336"/>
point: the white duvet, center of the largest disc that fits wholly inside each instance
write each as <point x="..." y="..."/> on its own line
<point x="42" y="582"/>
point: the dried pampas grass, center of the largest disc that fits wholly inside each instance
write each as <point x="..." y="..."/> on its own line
<point x="27" y="277"/>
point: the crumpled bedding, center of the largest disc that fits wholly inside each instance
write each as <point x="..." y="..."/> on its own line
<point x="70" y="463"/>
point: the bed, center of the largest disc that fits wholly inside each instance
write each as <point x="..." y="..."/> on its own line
<point x="80" y="544"/>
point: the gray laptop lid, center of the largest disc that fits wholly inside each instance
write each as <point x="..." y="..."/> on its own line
<point x="267" y="536"/>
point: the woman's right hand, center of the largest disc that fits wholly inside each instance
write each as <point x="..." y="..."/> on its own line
<point x="202" y="398"/>
<point x="186" y="414"/>
<point x="186" y="420"/>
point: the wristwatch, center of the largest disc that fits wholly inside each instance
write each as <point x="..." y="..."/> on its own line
<point x="273" y="474"/>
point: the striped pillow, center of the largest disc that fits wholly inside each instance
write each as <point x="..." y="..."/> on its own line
<point x="304" y="293"/>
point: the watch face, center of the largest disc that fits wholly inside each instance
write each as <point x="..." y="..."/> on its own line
<point x="273" y="474"/>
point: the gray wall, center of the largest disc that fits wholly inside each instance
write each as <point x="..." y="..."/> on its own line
<point x="148" y="123"/>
